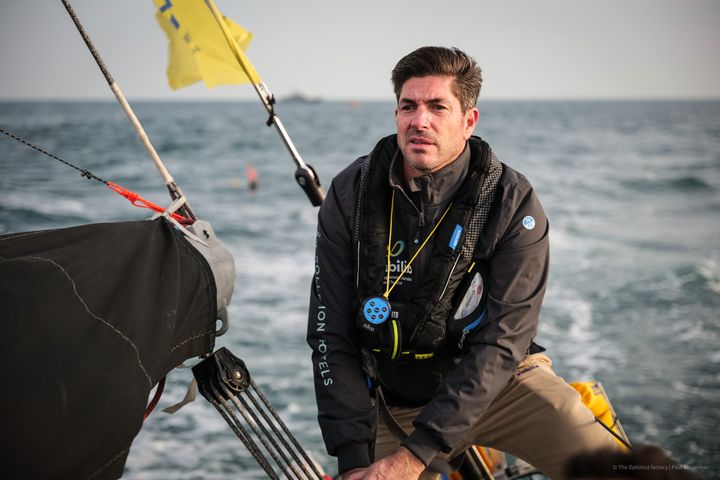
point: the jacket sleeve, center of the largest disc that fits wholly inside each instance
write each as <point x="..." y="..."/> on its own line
<point x="518" y="264"/>
<point x="345" y="408"/>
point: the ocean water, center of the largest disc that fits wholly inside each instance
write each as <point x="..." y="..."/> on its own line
<point x="632" y="191"/>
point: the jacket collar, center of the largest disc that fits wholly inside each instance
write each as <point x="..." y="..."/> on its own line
<point x="435" y="188"/>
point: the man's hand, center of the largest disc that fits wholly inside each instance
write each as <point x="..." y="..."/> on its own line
<point x="401" y="465"/>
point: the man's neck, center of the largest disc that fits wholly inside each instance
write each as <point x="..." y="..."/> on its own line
<point x="410" y="173"/>
<point x="436" y="187"/>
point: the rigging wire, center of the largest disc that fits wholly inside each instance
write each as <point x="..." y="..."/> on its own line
<point x="83" y="172"/>
<point x="173" y="188"/>
<point x="305" y="174"/>
<point x="133" y="197"/>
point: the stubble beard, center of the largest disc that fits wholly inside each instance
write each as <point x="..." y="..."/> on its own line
<point x="421" y="162"/>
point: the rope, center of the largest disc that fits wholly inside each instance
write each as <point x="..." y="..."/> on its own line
<point x="139" y="201"/>
<point x="618" y="437"/>
<point x="156" y="398"/>
<point x="83" y="172"/>
<point x="286" y="431"/>
<point x="133" y="197"/>
<point x="221" y="405"/>
<point x="253" y="419"/>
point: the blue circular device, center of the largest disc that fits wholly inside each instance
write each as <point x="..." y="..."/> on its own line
<point x="376" y="310"/>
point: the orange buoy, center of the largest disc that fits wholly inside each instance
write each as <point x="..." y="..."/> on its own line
<point x="252" y="177"/>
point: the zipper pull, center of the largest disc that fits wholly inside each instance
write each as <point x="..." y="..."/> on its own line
<point x="421" y="223"/>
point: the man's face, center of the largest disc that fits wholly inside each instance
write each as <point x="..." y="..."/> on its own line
<point x="432" y="129"/>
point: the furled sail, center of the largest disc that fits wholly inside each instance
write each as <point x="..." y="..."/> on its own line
<point x="93" y="317"/>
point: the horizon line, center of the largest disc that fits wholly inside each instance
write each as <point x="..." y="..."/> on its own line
<point x="319" y="100"/>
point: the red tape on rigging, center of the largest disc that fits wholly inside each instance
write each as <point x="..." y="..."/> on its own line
<point x="138" y="201"/>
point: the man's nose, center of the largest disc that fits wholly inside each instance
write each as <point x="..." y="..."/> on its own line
<point x="421" y="119"/>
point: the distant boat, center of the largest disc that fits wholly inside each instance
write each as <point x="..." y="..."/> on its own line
<point x="298" y="97"/>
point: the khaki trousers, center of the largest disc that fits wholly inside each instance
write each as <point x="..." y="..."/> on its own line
<point x="536" y="416"/>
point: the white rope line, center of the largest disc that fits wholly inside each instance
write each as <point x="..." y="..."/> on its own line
<point x="199" y="335"/>
<point x="121" y="334"/>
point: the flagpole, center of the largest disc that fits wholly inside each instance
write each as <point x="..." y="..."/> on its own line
<point x="304" y="175"/>
<point x="173" y="188"/>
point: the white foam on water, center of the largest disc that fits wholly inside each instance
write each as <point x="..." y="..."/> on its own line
<point x="647" y="419"/>
<point x="578" y="346"/>
<point x="569" y="304"/>
<point x="695" y="448"/>
<point x="187" y="442"/>
<point x="581" y="313"/>
<point x="40" y="204"/>
<point x="560" y="238"/>
<point x="691" y="329"/>
<point x="710" y="271"/>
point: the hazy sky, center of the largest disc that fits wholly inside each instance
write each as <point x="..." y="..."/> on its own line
<point x="335" y="49"/>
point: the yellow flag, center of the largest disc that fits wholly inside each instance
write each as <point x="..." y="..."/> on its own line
<point x="199" y="47"/>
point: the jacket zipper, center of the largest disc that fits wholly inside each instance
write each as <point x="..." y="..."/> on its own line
<point x="420" y="214"/>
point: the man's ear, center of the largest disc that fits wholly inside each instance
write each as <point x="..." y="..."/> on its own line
<point x="471" y="119"/>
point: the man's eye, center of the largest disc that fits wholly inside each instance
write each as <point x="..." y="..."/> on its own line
<point x="437" y="106"/>
<point x="407" y="108"/>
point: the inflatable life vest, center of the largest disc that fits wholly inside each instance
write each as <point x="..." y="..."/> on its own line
<point x="450" y="299"/>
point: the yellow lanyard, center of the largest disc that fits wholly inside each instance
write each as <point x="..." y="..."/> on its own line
<point x="388" y="287"/>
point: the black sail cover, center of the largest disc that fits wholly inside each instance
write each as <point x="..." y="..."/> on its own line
<point x="92" y="317"/>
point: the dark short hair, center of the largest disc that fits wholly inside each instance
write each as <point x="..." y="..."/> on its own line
<point x="441" y="61"/>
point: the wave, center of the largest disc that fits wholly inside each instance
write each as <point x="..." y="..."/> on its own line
<point x="576" y="334"/>
<point x="28" y="208"/>
<point x="686" y="184"/>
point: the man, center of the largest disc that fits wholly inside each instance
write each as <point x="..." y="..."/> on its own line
<point x="431" y="264"/>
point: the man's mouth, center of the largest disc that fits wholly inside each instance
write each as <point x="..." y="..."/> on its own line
<point x="420" y="141"/>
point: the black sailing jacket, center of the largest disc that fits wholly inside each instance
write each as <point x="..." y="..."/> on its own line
<point x="516" y="261"/>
